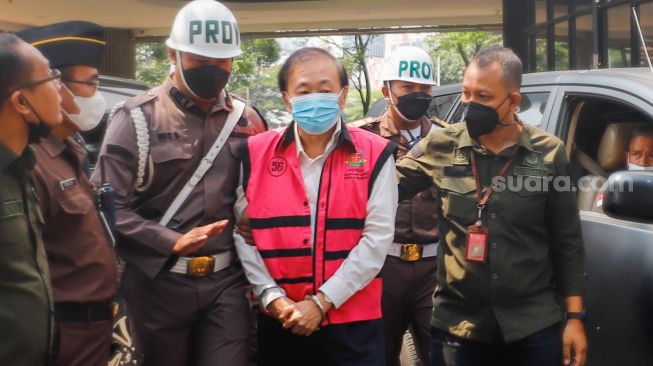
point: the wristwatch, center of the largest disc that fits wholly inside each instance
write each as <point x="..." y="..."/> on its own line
<point x="580" y="315"/>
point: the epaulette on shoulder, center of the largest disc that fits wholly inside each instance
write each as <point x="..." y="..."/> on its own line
<point x="251" y="106"/>
<point x="363" y="122"/>
<point x="439" y="122"/>
<point x="140" y="99"/>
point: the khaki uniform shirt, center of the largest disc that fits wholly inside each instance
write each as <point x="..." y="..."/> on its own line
<point x="535" y="249"/>
<point x="180" y="136"/>
<point x="417" y="218"/>
<point x="26" y="308"/>
<point x="83" y="263"/>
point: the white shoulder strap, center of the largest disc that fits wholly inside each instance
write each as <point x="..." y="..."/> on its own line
<point x="207" y="161"/>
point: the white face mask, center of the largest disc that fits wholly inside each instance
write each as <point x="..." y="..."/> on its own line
<point x="632" y="166"/>
<point x="91" y="111"/>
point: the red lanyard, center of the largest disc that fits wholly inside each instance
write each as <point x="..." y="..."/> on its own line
<point x="483" y="199"/>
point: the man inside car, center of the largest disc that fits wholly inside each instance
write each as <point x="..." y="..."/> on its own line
<point x="638" y="157"/>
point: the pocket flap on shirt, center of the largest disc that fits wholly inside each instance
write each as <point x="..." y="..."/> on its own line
<point x="170" y="150"/>
<point x="74" y="202"/>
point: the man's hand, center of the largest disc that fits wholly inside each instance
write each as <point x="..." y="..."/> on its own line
<point x="245" y="230"/>
<point x="304" y="319"/>
<point x="281" y="308"/>
<point x="196" y="238"/>
<point x="574" y="343"/>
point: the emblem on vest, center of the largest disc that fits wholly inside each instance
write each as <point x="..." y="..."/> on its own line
<point x="277" y="166"/>
<point x="357" y="159"/>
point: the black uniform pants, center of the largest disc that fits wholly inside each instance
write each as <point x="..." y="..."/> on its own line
<point x="184" y="321"/>
<point x="408" y="304"/>
<point x="543" y="348"/>
<point x="350" y="344"/>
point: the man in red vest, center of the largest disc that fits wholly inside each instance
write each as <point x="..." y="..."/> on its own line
<point x="322" y="201"/>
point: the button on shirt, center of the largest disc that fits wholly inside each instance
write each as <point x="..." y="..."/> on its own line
<point x="535" y="248"/>
<point x="364" y="261"/>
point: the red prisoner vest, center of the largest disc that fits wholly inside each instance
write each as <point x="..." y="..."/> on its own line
<point x="280" y="215"/>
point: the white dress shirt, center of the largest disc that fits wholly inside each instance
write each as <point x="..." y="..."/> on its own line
<point x="363" y="262"/>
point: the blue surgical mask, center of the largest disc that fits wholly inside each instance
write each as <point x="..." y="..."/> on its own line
<point x="316" y="113"/>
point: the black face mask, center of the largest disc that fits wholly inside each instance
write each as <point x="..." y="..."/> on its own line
<point x="414" y="105"/>
<point x="206" y="81"/>
<point x="37" y="132"/>
<point x="481" y="119"/>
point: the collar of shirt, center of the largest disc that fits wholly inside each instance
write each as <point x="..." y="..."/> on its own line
<point x="524" y="141"/>
<point x="388" y="129"/>
<point x="301" y="154"/>
<point x="53" y="146"/>
<point x="184" y="102"/>
<point x="343" y="138"/>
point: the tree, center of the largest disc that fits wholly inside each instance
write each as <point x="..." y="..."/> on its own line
<point x="152" y="63"/>
<point x="455" y="50"/>
<point x="257" y="55"/>
<point x="354" y="57"/>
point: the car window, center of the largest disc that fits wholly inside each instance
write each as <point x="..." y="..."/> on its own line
<point x="441" y="104"/>
<point x="531" y="109"/>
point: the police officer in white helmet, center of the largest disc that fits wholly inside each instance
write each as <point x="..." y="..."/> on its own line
<point x="170" y="156"/>
<point x="409" y="273"/>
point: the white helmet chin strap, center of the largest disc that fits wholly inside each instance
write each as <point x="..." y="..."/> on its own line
<point x="180" y="71"/>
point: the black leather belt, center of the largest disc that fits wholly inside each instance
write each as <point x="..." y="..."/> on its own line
<point x="82" y="313"/>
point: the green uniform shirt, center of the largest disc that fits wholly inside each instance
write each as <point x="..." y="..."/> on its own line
<point x="535" y="248"/>
<point x="25" y="295"/>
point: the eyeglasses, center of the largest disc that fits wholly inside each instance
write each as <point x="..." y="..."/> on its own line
<point x="55" y="75"/>
<point x="91" y="83"/>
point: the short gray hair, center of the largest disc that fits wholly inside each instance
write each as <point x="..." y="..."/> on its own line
<point x="509" y="61"/>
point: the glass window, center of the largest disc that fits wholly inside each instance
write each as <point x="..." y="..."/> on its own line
<point x="619" y="36"/>
<point x="540" y="51"/>
<point x="441" y="104"/>
<point x="560" y="8"/>
<point x="540" y="11"/>
<point x="561" y="45"/>
<point x="531" y="109"/>
<point x="646" y="21"/>
<point x="584" y="42"/>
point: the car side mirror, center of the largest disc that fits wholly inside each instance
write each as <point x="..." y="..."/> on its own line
<point x="628" y="195"/>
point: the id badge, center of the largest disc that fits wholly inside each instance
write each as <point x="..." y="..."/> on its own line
<point x="477" y="237"/>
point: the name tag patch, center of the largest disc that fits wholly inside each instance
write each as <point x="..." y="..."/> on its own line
<point x="12" y="208"/>
<point x="530" y="172"/>
<point x="68" y="184"/>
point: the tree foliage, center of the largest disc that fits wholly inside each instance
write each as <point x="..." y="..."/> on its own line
<point x="455" y="50"/>
<point x="354" y="57"/>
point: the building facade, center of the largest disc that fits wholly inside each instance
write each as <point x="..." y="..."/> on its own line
<point x="578" y="34"/>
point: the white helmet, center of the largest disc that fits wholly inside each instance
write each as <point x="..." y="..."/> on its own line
<point x="409" y="63"/>
<point x="206" y="28"/>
